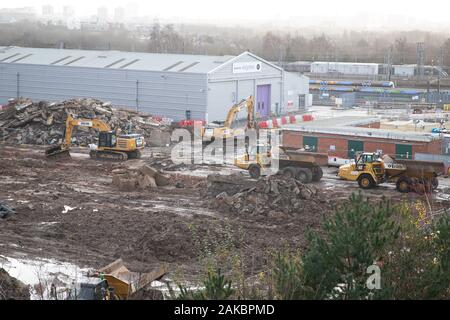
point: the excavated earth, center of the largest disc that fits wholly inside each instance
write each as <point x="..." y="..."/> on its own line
<point x="70" y="211"/>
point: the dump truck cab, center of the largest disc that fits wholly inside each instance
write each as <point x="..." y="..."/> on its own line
<point x="255" y="160"/>
<point x="367" y="168"/>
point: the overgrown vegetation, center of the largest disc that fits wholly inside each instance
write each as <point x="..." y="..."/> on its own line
<point x="407" y="246"/>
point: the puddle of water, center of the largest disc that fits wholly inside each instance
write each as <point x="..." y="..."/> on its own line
<point x="45" y="272"/>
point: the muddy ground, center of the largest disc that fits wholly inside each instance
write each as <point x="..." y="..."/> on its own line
<point x="70" y="211"/>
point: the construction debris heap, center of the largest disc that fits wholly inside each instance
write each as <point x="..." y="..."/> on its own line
<point x="27" y="122"/>
<point x="267" y="195"/>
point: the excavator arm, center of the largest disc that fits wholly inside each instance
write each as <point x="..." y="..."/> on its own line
<point x="72" y="122"/>
<point x="245" y="103"/>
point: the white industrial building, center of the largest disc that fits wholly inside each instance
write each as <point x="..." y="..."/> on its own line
<point x="404" y="70"/>
<point x="349" y="68"/>
<point x="170" y="85"/>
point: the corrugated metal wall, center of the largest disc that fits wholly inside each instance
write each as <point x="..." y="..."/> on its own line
<point x="158" y="93"/>
<point x="294" y="86"/>
<point x="226" y="88"/>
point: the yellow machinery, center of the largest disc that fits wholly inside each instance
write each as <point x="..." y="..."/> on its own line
<point x="210" y="133"/>
<point x="409" y="175"/>
<point x="301" y="165"/>
<point x="110" y="145"/>
<point x="116" y="282"/>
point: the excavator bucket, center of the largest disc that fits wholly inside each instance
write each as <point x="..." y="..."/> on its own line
<point x="57" y="152"/>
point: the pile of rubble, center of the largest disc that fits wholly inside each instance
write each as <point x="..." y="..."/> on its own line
<point x="268" y="194"/>
<point x="144" y="177"/>
<point x="26" y="122"/>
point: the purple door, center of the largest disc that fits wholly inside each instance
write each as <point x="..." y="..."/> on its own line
<point x="263" y="100"/>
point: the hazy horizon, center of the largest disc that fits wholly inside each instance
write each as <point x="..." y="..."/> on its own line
<point x="383" y="14"/>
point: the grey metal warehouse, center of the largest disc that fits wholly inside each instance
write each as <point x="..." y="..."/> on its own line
<point x="169" y="85"/>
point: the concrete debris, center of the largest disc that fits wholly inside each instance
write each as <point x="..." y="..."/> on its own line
<point x="6" y="211"/>
<point x="27" y="122"/>
<point x="266" y="196"/>
<point x="145" y="177"/>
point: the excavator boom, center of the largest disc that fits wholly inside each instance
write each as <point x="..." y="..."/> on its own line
<point x="62" y="150"/>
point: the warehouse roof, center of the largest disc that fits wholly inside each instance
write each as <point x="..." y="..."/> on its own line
<point x="346" y="126"/>
<point x="112" y="59"/>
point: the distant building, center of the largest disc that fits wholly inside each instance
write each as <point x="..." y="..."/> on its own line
<point x="48" y="11"/>
<point x="68" y="12"/>
<point x="12" y="15"/>
<point x="102" y="14"/>
<point x="119" y="15"/>
<point x="405" y="70"/>
<point x="344" y="68"/>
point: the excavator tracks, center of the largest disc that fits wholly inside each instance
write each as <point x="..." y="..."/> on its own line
<point x="108" y="155"/>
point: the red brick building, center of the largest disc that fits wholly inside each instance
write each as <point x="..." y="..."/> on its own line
<point x="343" y="141"/>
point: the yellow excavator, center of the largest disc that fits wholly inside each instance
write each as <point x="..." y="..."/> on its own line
<point x="111" y="145"/>
<point x="210" y="133"/>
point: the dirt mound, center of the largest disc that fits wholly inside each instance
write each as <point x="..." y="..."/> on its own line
<point x="11" y="288"/>
<point x="26" y="122"/>
<point x="267" y="195"/>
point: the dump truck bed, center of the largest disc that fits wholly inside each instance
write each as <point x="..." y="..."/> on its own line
<point x="315" y="158"/>
<point x="414" y="168"/>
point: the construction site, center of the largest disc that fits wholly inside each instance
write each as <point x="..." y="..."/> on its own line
<point x="68" y="208"/>
<point x="168" y="174"/>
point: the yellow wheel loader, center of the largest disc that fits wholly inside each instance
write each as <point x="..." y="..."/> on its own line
<point x="369" y="170"/>
<point x="111" y="145"/>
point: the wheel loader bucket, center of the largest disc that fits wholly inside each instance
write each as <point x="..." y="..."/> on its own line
<point x="57" y="152"/>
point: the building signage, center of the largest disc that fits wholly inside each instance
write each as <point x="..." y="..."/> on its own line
<point x="246" y="67"/>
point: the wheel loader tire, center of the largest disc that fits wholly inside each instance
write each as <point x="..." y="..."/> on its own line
<point x="289" y="173"/>
<point x="365" y="181"/>
<point x="255" y="171"/>
<point x="304" y="175"/>
<point x="317" y="175"/>
<point x="403" y="185"/>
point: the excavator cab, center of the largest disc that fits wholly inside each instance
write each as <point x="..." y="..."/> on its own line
<point x="107" y="139"/>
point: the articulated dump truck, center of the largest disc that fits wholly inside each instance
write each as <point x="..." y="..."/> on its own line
<point x="369" y="170"/>
<point x="292" y="163"/>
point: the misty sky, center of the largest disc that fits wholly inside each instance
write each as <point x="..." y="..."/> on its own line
<point x="430" y="10"/>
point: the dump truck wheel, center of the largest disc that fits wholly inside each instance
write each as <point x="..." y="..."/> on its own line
<point x="318" y="175"/>
<point x="255" y="171"/>
<point x="365" y="181"/>
<point x="403" y="185"/>
<point x="289" y="173"/>
<point x="304" y="175"/>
